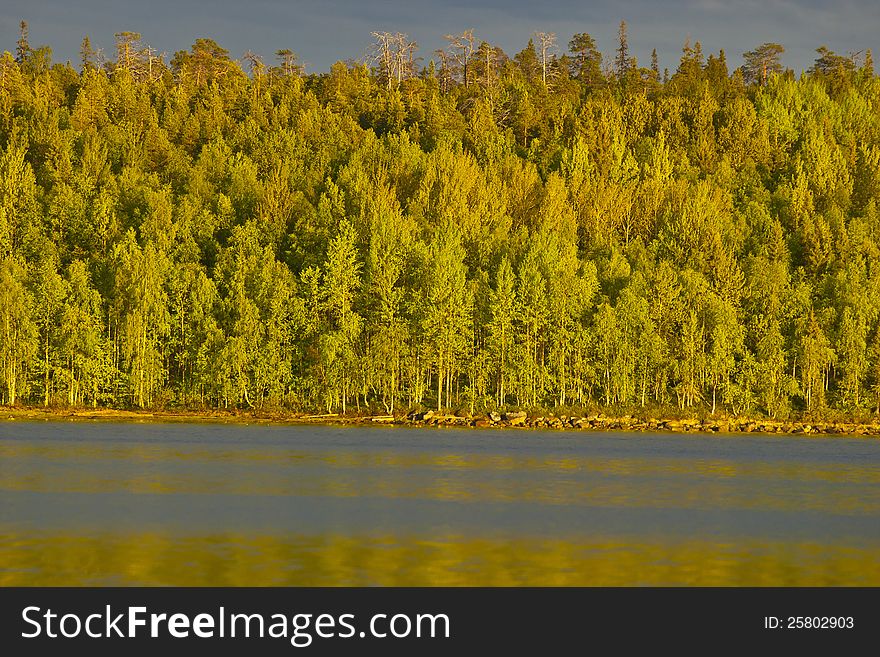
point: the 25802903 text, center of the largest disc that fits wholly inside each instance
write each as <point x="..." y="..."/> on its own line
<point x="809" y="622"/>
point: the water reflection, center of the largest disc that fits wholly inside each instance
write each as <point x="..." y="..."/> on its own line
<point x="200" y="505"/>
<point x="394" y="560"/>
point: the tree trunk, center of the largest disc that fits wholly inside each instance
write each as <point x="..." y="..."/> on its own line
<point x="440" y="374"/>
<point x="46" y="373"/>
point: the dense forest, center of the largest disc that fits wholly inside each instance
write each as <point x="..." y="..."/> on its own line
<point x="467" y="230"/>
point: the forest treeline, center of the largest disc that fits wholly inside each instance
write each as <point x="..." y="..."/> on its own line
<point x="553" y="229"/>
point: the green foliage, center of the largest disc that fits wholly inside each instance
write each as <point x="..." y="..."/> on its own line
<point x="19" y="341"/>
<point x="492" y="231"/>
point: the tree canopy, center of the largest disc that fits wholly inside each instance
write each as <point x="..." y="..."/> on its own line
<point x="475" y="231"/>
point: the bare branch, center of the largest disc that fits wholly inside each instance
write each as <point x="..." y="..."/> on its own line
<point x="462" y="46"/>
<point x="394" y="54"/>
<point x="546" y="44"/>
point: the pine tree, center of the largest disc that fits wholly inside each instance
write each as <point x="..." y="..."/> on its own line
<point x="761" y="63"/>
<point x="87" y="55"/>
<point x="23" y="46"/>
<point x="622" y="62"/>
<point x="868" y="65"/>
<point x="586" y="60"/>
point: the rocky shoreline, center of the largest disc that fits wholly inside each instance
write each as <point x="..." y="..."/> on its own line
<point x="517" y="420"/>
<point x="602" y="422"/>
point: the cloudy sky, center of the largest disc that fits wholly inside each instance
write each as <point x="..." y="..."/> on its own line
<point x="324" y="31"/>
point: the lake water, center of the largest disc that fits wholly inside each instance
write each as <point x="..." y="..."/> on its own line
<point x="98" y="503"/>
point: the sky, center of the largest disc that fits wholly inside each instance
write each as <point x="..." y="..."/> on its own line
<point x="322" y="32"/>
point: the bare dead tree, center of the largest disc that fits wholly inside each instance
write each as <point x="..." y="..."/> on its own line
<point x="857" y="58"/>
<point x="404" y="58"/>
<point x="289" y="62"/>
<point x="101" y="61"/>
<point x="446" y="73"/>
<point x="151" y="53"/>
<point x="384" y="55"/>
<point x="462" y="47"/>
<point x="155" y="61"/>
<point x="129" y="53"/>
<point x="546" y="45"/>
<point x="255" y="63"/>
<point x="488" y="57"/>
<point x="394" y="54"/>
<point x="143" y="62"/>
<point x="257" y="69"/>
